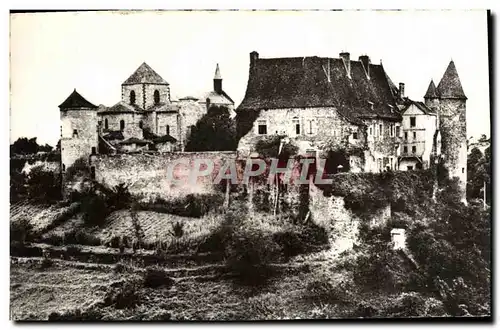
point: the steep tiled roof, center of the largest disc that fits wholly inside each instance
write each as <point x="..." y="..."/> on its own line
<point x="145" y="75"/>
<point x="75" y="100"/>
<point x="319" y="82"/>
<point x="431" y="91"/>
<point x="421" y="106"/>
<point x="215" y="97"/>
<point x="450" y="86"/>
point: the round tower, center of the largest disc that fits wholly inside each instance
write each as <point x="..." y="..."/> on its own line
<point x="452" y="125"/>
<point x="79" y="137"/>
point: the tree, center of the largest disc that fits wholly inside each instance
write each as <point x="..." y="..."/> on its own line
<point x="24" y="146"/>
<point x="43" y="186"/>
<point x="478" y="173"/>
<point x="215" y="131"/>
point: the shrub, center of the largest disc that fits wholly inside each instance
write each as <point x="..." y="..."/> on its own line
<point x="46" y="263"/>
<point x="124" y="296"/>
<point x="177" y="229"/>
<point x="43" y="186"/>
<point x="21" y="230"/>
<point x="301" y="239"/>
<point x="249" y="251"/>
<point x="324" y="291"/>
<point x="72" y="250"/>
<point x="79" y="236"/>
<point x="77" y="315"/>
<point x="95" y="209"/>
<point x="156" y="277"/>
<point x="192" y="205"/>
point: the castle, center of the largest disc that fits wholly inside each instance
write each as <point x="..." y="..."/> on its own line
<point x="347" y="111"/>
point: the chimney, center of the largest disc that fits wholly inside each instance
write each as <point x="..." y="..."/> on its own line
<point x="254" y="56"/>
<point x="365" y="60"/>
<point x="345" y="56"/>
<point x="217" y="80"/>
<point x="401" y="90"/>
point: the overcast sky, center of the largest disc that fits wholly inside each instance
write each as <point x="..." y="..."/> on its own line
<point x="94" y="52"/>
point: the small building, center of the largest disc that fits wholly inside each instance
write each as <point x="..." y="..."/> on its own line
<point x="419" y="125"/>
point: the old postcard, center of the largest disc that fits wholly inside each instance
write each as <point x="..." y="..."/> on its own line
<point x="249" y="165"/>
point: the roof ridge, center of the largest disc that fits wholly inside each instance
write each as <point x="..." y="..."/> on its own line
<point x="145" y="74"/>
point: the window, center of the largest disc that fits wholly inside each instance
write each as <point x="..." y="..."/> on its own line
<point x="405" y="149"/>
<point x="310" y="126"/>
<point x="380" y="130"/>
<point x="156" y="97"/>
<point x="413" y="121"/>
<point x="355" y="135"/>
<point x="409" y="168"/>
<point x="93" y="151"/>
<point x="463" y="170"/>
<point x="262" y="127"/>
<point x="92" y="172"/>
<point x="296" y="125"/>
<point x="75" y="133"/>
<point x="63" y="167"/>
<point x="168" y="129"/>
<point x="414" y="135"/>
<point x="132" y="97"/>
<point x="413" y="149"/>
<point x="106" y="124"/>
<point x="122" y="125"/>
<point x="392" y="129"/>
<point x="398" y="131"/>
<point x="371" y="131"/>
<point x="406" y="135"/>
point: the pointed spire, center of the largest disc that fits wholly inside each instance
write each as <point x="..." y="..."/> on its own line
<point x="145" y="74"/>
<point x="431" y="91"/>
<point x="217" y="72"/>
<point x="450" y="86"/>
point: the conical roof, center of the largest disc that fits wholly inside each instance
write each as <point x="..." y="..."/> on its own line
<point x="431" y="91"/>
<point x="75" y="100"/>
<point x="145" y="75"/>
<point x="217" y="73"/>
<point x="450" y="86"/>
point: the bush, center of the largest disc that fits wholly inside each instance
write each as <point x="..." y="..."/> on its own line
<point x="124" y="296"/>
<point x="72" y="250"/>
<point x="21" y="230"/>
<point x="156" y="277"/>
<point x="249" y="251"/>
<point x="80" y="237"/>
<point x="192" y="205"/>
<point x="46" y="263"/>
<point x="324" y="291"/>
<point x="76" y="315"/>
<point x="43" y="186"/>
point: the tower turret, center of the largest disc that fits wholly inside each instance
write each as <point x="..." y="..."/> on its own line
<point x="79" y="137"/>
<point x="452" y="124"/>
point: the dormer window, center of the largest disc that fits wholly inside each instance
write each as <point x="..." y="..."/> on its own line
<point x="156" y="97"/>
<point x="132" y="97"/>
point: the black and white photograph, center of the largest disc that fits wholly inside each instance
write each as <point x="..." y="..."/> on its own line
<point x="250" y="165"/>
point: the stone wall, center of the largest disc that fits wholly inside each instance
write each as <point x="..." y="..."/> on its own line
<point x="79" y="145"/>
<point x="146" y="174"/>
<point x="49" y="166"/>
<point x="454" y="138"/>
<point x="328" y="128"/>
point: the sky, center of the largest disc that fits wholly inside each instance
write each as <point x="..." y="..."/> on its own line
<point x="53" y="53"/>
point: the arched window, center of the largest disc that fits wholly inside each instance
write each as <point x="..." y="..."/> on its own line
<point x="122" y="125"/>
<point x="75" y="133"/>
<point x="168" y="129"/>
<point x="132" y="97"/>
<point x="157" y="97"/>
<point x="106" y="124"/>
<point x="140" y="124"/>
